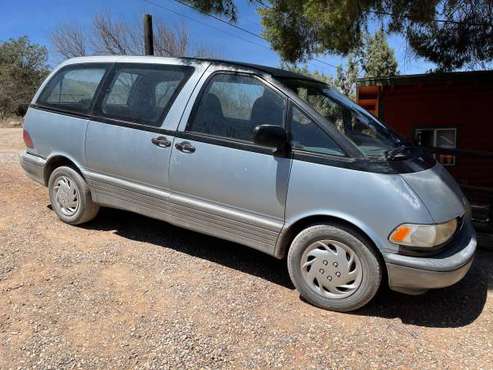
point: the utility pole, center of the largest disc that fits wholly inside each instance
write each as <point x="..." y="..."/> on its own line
<point x="148" y="35"/>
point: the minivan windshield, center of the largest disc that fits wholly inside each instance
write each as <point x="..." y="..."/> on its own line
<point x="372" y="137"/>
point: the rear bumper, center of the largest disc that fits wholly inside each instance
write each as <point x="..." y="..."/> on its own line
<point x="33" y="166"/>
<point x="417" y="274"/>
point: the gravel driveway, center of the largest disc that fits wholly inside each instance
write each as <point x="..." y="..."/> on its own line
<point x="127" y="291"/>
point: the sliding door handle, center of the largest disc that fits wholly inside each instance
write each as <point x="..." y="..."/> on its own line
<point x="185" y="147"/>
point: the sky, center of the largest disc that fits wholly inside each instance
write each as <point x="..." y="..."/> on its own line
<point x="38" y="18"/>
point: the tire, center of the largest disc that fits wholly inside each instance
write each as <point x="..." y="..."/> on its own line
<point x="339" y="254"/>
<point x="68" y="188"/>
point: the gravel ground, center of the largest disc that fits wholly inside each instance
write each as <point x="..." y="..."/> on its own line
<point x="127" y="291"/>
<point x="10" y="122"/>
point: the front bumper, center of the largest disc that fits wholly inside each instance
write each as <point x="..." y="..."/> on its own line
<point x="414" y="275"/>
<point x="33" y="166"/>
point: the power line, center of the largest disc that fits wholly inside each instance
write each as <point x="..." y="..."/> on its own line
<point x="221" y="20"/>
<point x="203" y="23"/>
<point x="242" y="28"/>
<point x="227" y="23"/>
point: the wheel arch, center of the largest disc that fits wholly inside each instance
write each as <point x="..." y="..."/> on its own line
<point x="58" y="160"/>
<point x="295" y="227"/>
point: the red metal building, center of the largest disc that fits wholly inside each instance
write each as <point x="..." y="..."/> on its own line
<point x="450" y="113"/>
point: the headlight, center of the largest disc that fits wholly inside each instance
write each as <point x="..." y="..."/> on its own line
<point x="423" y="235"/>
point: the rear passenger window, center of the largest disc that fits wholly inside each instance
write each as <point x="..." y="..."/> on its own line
<point x="72" y="88"/>
<point x="308" y="136"/>
<point x="142" y="94"/>
<point x="232" y="105"/>
<point x="120" y="91"/>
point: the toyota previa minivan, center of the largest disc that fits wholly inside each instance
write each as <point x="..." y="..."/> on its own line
<point x="267" y="158"/>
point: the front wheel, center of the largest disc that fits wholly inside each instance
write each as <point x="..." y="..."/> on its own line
<point x="334" y="268"/>
<point x="70" y="196"/>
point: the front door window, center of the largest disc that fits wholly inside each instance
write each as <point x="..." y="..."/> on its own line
<point x="232" y="105"/>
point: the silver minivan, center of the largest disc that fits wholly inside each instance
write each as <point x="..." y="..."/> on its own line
<point x="264" y="157"/>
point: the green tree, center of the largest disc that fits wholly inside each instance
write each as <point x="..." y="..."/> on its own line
<point x="450" y="33"/>
<point x="377" y="57"/>
<point x="23" y="66"/>
<point x="347" y="77"/>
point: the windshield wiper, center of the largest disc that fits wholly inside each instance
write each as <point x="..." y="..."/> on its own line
<point x="402" y="151"/>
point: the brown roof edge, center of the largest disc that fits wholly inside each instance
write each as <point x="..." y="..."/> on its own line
<point x="479" y="76"/>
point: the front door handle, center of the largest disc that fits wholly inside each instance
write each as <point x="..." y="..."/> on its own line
<point x="161" y="141"/>
<point x="185" y="147"/>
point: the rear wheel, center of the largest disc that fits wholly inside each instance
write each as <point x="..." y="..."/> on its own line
<point x="334" y="268"/>
<point x="70" y="196"/>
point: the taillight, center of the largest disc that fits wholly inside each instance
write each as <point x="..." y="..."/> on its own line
<point x="27" y="139"/>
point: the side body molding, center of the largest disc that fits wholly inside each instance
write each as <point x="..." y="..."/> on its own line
<point x="184" y="211"/>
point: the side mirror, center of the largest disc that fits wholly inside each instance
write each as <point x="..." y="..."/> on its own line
<point x="270" y="135"/>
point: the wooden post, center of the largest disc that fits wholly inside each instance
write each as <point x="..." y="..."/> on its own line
<point x="148" y="35"/>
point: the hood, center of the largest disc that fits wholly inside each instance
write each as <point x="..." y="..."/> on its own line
<point x="439" y="192"/>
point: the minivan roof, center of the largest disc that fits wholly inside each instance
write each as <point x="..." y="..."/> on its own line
<point x="274" y="72"/>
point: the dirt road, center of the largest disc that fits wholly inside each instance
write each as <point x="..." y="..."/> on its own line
<point x="127" y="291"/>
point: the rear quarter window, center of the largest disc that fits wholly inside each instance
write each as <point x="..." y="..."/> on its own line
<point x="73" y="88"/>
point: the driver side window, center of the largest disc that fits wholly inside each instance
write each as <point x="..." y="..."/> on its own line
<point x="232" y="105"/>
